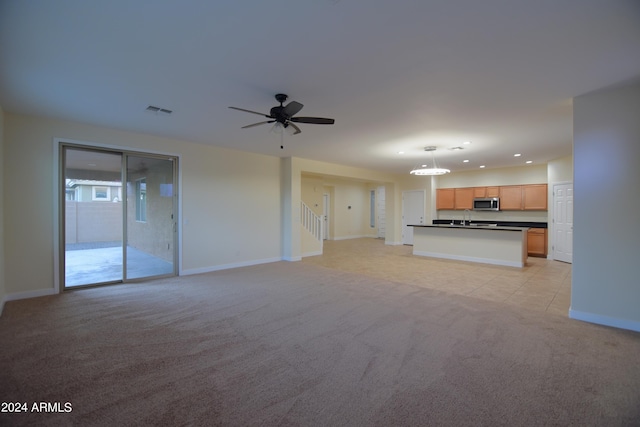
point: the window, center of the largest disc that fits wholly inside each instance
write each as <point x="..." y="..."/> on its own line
<point x="141" y="200"/>
<point x="100" y="193"/>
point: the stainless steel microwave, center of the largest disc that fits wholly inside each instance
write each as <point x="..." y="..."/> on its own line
<point x="486" y="204"/>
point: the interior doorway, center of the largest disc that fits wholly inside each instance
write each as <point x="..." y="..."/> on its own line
<point x="563" y="222"/>
<point x="413" y="209"/>
<point x="326" y="208"/>
<point x="118" y="216"/>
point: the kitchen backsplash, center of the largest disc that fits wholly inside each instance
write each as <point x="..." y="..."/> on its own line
<point x="526" y="216"/>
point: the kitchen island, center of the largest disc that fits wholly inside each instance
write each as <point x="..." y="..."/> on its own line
<point x="476" y="243"/>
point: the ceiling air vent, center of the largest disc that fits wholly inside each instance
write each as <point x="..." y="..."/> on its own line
<point x="158" y="110"/>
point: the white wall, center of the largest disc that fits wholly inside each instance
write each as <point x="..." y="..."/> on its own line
<point x="606" y="284"/>
<point x="229" y="198"/>
<point x="530" y="174"/>
<point x="560" y="170"/>
<point x="2" y="205"/>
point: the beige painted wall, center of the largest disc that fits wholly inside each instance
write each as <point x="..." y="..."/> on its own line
<point x="229" y="198"/>
<point x="560" y="170"/>
<point x="3" y="203"/>
<point x="345" y="223"/>
<point x="605" y="286"/>
<point x="392" y="183"/>
<point x="531" y="174"/>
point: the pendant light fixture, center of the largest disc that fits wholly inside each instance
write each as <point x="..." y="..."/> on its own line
<point x="429" y="168"/>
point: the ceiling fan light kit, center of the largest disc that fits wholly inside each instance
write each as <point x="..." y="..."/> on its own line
<point x="429" y="169"/>
<point x="283" y="115"/>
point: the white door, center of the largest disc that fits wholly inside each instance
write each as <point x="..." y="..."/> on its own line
<point x="381" y="212"/>
<point x="563" y="222"/>
<point x="412" y="213"/>
<point x="325" y="217"/>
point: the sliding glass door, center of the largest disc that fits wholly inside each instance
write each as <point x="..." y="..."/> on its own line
<point x="150" y="217"/>
<point x="111" y="232"/>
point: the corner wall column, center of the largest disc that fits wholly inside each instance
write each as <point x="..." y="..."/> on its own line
<point x="291" y="196"/>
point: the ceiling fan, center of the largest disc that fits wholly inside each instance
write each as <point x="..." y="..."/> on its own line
<point x="284" y="115"/>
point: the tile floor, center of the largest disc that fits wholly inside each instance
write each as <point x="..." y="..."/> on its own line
<point x="542" y="285"/>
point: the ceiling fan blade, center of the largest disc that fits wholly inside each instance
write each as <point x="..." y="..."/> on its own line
<point x="295" y="127"/>
<point x="249" y="111"/>
<point x="257" y="124"/>
<point x="313" y="120"/>
<point x="292" y="108"/>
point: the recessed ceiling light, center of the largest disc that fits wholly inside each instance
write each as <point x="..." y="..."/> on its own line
<point x="400" y="152"/>
<point x="529" y="162"/>
<point x="467" y="142"/>
<point x="465" y="161"/>
<point x="481" y="166"/>
<point x="517" y="155"/>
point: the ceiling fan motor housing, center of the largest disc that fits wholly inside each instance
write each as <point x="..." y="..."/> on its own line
<point x="277" y="113"/>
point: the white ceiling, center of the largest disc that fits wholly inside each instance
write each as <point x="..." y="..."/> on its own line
<point x="395" y="75"/>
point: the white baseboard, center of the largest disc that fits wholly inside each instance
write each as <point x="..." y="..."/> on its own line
<point x="393" y="243"/>
<point x="26" y="294"/>
<point x="632" y="325"/>
<point x="232" y="265"/>
<point x="316" y="253"/>
<point x="352" y="237"/>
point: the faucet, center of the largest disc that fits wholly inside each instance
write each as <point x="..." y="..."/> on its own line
<point x="464" y="217"/>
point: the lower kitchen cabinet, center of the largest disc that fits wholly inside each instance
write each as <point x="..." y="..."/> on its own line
<point x="537" y="242"/>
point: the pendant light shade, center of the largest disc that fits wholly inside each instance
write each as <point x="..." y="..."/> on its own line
<point x="429" y="167"/>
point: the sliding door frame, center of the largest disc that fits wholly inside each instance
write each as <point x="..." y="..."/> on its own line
<point x="59" y="145"/>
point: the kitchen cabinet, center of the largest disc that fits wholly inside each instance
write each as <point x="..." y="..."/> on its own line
<point x="479" y="192"/>
<point x="445" y="198"/>
<point x="463" y="198"/>
<point x="537" y="242"/>
<point x="534" y="197"/>
<point x="511" y="197"/>
<point x="482" y="192"/>
<point x="530" y="197"/>
<point x="493" y="192"/>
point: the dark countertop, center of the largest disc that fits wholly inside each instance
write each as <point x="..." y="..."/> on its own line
<point x="500" y="223"/>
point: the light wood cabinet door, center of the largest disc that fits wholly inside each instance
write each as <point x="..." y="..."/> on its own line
<point x="445" y="198"/>
<point x="464" y="198"/>
<point x="493" y="192"/>
<point x="537" y="242"/>
<point x="480" y="192"/>
<point x="511" y="198"/>
<point x="535" y="197"/>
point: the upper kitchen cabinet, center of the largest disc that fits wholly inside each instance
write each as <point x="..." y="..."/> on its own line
<point x="511" y="198"/>
<point x="531" y="197"/>
<point x="534" y="197"/>
<point x="493" y="191"/>
<point x="445" y="198"/>
<point x="463" y="198"/>
<point x="483" y="192"/>
<point x="479" y="192"/>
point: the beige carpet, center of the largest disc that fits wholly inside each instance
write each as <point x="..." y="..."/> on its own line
<point x="304" y="345"/>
